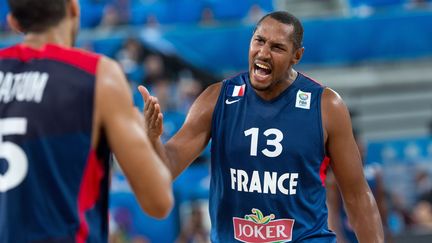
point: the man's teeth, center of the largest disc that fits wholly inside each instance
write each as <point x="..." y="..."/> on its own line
<point x="262" y="66"/>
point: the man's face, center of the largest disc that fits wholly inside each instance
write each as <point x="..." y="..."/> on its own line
<point x="271" y="54"/>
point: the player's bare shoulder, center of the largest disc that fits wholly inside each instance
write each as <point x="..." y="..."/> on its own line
<point x="334" y="111"/>
<point x="206" y="102"/>
<point x="109" y="72"/>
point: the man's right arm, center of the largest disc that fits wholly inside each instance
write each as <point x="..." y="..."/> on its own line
<point x="192" y="138"/>
<point x="115" y="114"/>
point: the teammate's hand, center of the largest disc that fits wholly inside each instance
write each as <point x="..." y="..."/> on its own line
<point x="153" y="118"/>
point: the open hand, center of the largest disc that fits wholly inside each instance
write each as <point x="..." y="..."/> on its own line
<point x="153" y="118"/>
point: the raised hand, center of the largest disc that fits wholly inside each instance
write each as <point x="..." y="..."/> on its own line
<point x="153" y="118"/>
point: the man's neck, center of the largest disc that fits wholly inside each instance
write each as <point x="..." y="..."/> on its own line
<point x="55" y="35"/>
<point x="278" y="88"/>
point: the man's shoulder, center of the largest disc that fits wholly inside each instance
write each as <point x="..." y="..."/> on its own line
<point x="81" y="58"/>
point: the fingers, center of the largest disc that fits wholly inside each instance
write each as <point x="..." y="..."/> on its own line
<point x="152" y="113"/>
<point x="159" y="122"/>
<point x="144" y="92"/>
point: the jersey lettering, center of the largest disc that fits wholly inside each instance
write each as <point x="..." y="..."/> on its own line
<point x="267" y="182"/>
<point x="26" y="86"/>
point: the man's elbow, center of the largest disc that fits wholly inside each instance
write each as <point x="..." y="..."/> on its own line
<point x="159" y="207"/>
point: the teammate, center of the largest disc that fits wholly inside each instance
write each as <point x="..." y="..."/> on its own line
<point x="272" y="129"/>
<point x="61" y="109"/>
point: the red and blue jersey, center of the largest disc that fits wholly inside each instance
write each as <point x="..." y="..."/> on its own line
<point x="268" y="165"/>
<point x="53" y="184"/>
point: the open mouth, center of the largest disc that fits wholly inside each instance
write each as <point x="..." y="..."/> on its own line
<point x="262" y="70"/>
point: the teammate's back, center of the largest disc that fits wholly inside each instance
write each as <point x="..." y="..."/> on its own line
<point x="46" y="132"/>
<point x="61" y="111"/>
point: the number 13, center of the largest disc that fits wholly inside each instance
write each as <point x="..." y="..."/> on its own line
<point x="272" y="142"/>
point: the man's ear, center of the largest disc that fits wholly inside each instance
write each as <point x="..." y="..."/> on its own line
<point x="298" y="55"/>
<point x="74" y="8"/>
<point x="13" y="23"/>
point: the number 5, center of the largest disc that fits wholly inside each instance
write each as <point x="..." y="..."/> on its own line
<point x="12" y="153"/>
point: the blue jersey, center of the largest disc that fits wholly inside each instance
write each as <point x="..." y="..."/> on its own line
<point x="53" y="185"/>
<point x="268" y="165"/>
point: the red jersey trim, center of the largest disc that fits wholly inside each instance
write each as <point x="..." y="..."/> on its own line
<point x="89" y="193"/>
<point x="323" y="170"/>
<point x="81" y="59"/>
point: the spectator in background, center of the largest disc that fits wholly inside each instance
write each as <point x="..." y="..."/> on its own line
<point x="423" y="183"/>
<point x="110" y="18"/>
<point x="130" y="57"/>
<point x="254" y="14"/>
<point x="422" y="213"/>
<point x="123" y="9"/>
<point x="194" y="230"/>
<point x="188" y="90"/>
<point x="207" y="17"/>
<point x="154" y="68"/>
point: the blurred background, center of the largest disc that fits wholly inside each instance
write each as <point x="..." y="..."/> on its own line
<point x="376" y="53"/>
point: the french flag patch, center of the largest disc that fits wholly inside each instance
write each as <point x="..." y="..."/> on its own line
<point x="236" y="90"/>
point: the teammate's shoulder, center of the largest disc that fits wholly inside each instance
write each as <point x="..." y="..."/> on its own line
<point x="108" y="66"/>
<point x="10" y="52"/>
<point x="79" y="58"/>
<point x="74" y="55"/>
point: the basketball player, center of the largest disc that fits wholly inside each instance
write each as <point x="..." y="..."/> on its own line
<point x="273" y="131"/>
<point x="61" y="110"/>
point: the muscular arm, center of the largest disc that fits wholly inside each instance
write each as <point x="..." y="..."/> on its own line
<point x="147" y="175"/>
<point x="347" y="167"/>
<point x="188" y="143"/>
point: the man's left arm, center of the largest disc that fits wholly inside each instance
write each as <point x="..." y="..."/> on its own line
<point x="347" y="166"/>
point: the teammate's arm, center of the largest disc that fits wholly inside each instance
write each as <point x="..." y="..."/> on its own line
<point x="115" y="114"/>
<point x="347" y="166"/>
<point x="188" y="143"/>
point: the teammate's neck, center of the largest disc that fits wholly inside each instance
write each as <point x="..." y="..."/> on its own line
<point x="56" y="35"/>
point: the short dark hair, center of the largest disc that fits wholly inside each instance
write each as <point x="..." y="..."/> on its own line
<point x="289" y="19"/>
<point x="37" y="15"/>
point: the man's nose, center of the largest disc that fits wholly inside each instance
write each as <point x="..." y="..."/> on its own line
<point x="264" y="52"/>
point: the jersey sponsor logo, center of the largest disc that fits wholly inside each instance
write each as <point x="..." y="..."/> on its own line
<point x="26" y="86"/>
<point x="303" y="100"/>
<point x="229" y="102"/>
<point x="256" y="227"/>
<point x="266" y="182"/>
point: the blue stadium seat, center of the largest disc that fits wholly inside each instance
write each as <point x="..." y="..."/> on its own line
<point x="91" y="13"/>
<point x="376" y="3"/>
<point x="226" y="10"/>
<point x="108" y="46"/>
<point x="185" y="11"/>
<point x="140" y="11"/>
<point x="3" y="12"/>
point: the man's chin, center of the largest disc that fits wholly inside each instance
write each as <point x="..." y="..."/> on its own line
<point x="260" y="86"/>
